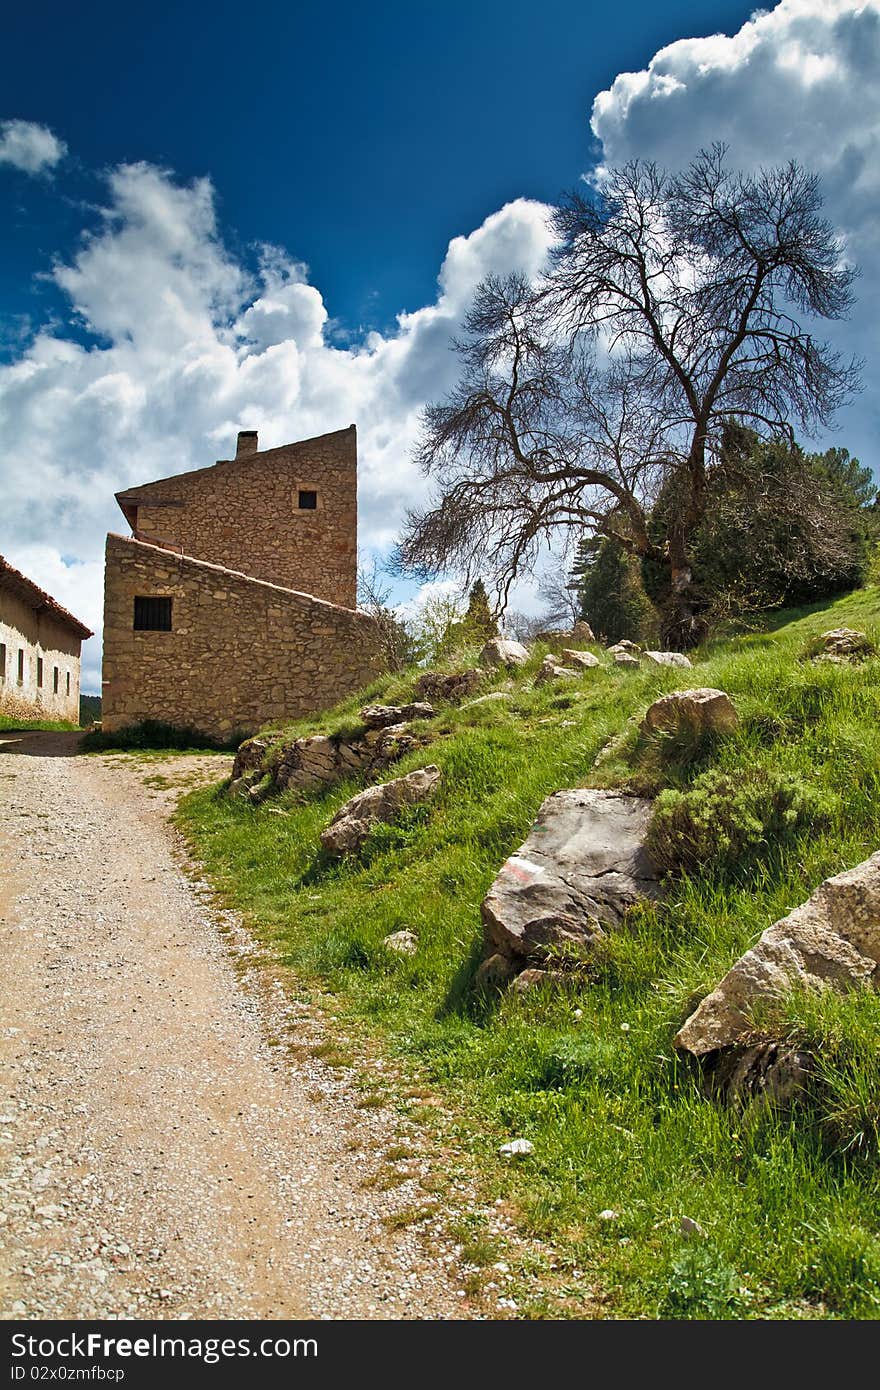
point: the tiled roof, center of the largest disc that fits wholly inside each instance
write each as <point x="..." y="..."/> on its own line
<point x="30" y="593"/>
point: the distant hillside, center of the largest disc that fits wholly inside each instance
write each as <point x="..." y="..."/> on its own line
<point x="89" y="709"/>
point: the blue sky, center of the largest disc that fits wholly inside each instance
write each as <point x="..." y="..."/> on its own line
<point x="361" y="137"/>
<point x="274" y="217"/>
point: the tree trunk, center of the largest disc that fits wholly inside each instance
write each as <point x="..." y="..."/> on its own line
<point x="681" y="624"/>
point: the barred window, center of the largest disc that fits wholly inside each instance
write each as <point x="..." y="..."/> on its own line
<point x="152" y="614"/>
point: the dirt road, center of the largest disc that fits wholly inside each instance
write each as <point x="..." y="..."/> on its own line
<point x="159" y="1156"/>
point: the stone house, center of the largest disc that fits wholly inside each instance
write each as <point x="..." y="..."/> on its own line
<point x="232" y="603"/>
<point x="40" y="645"/>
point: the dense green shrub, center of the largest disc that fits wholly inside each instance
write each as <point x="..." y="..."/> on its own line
<point x="724" y="822"/>
<point x="156" y="733"/>
<point x="782" y="527"/>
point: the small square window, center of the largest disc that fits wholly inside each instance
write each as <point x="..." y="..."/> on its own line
<point x="152" y="614"/>
<point x="308" y="499"/>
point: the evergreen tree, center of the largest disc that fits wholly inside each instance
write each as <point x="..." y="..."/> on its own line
<point x="478" y="619"/>
<point x="613" y="599"/>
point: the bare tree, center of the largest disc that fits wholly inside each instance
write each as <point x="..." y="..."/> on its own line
<point x="561" y="599"/>
<point x="373" y="597"/>
<point x="673" y="307"/>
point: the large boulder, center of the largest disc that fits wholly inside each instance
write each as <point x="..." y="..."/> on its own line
<point x="699" y="710"/>
<point x="582" y="866"/>
<point x="353" y="822"/>
<point x="502" y="651"/>
<point x="584" y="660"/>
<point x="626" y="659"/>
<point x="832" y="941"/>
<point x="668" y="659"/>
<point x="449" y="686"/>
<point x="582" y="632"/>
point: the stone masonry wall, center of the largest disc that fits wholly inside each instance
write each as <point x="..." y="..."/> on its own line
<point x="244" y="514"/>
<point x="242" y="653"/>
<point x="40" y="638"/>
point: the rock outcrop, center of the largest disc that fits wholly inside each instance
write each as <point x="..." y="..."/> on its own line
<point x="668" y="659"/>
<point x="494" y="697"/>
<point x="845" y="644"/>
<point x="353" y="822"/>
<point x="581" y="867"/>
<point x="832" y="941"/>
<point x="582" y="632"/>
<point x="381" y="716"/>
<point x="451" y="687"/>
<point x="625" y="645"/>
<point x="249" y="756"/>
<point x="585" y="660"/>
<point x="550" y="670"/>
<point x="264" y="766"/>
<point x="699" y="710"/>
<point x="501" y="651"/>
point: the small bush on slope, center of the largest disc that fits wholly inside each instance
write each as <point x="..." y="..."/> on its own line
<point x="726" y="822"/>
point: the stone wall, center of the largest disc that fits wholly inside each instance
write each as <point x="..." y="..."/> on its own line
<point x="245" y="514"/>
<point x="40" y="638"/>
<point x="241" y="653"/>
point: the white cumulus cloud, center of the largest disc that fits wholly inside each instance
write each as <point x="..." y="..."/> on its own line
<point x="796" y="82"/>
<point x="30" y="147"/>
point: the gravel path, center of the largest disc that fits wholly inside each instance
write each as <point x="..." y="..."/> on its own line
<point x="160" y="1156"/>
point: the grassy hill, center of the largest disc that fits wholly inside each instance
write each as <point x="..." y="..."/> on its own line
<point x="789" y="1204"/>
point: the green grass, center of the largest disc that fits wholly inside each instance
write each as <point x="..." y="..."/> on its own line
<point x="789" y="1204"/>
<point x="49" y="726"/>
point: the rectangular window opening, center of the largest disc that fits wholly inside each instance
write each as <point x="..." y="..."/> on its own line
<point x="20" y="666"/>
<point x="308" y="499"/>
<point x="68" y="682"/>
<point x="55" y="680"/>
<point x="2" y="661"/>
<point x="39" y="673"/>
<point x="152" y="614"/>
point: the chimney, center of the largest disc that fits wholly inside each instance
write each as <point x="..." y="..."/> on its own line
<point x="247" y="443"/>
